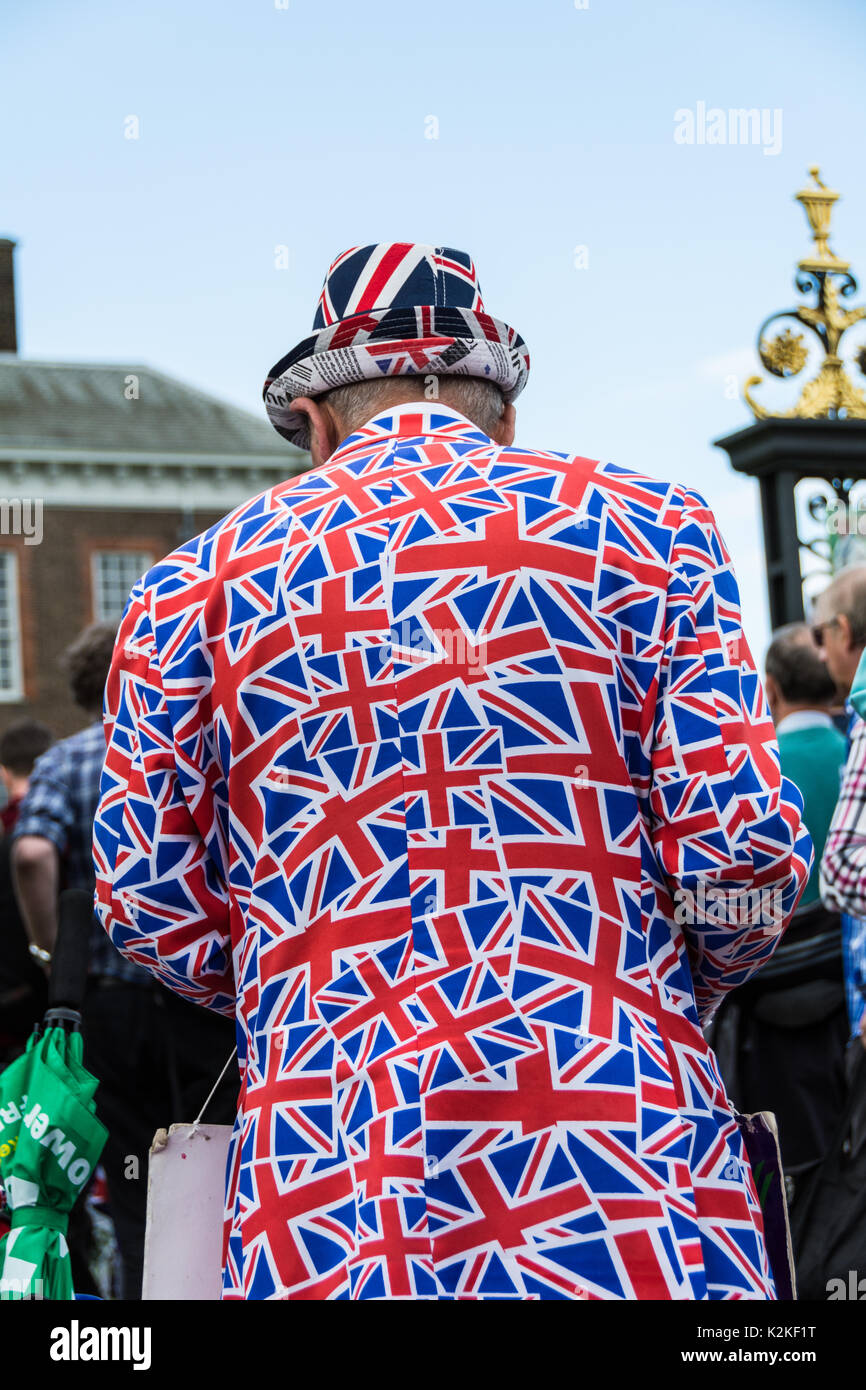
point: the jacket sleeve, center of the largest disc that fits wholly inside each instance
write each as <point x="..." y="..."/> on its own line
<point x="158" y="853"/>
<point x="843" y="865"/>
<point x="726" y="825"/>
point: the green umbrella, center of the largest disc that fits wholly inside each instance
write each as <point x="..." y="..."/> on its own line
<point x="50" y="1142"/>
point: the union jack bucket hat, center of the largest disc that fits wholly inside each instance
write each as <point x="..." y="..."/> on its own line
<point x="395" y="309"/>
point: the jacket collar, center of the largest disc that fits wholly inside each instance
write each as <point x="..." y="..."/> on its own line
<point x="804" y="719"/>
<point x="411" y="419"/>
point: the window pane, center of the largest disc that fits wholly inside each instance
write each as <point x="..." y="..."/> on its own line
<point x="114" y="574"/>
<point x="10" y="656"/>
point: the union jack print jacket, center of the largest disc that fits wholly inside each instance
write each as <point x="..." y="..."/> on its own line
<point x="445" y="768"/>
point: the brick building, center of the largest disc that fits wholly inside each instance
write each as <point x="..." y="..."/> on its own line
<point x="103" y="470"/>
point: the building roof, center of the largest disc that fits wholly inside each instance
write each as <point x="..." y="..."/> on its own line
<point x="77" y="406"/>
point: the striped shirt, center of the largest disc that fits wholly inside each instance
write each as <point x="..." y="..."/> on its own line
<point x="843" y="866"/>
<point x="843" y="870"/>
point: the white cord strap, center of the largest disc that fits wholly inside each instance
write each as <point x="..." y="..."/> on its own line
<point x="197" y="1121"/>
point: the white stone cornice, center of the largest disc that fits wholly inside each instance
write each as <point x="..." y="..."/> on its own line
<point x="133" y="481"/>
<point x="293" y="457"/>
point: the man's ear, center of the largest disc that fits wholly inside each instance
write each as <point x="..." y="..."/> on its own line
<point x="323" y="431"/>
<point x="843" y="622"/>
<point x="504" y="431"/>
<point x="773" y="693"/>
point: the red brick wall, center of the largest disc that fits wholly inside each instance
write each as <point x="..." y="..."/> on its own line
<point x="55" y="598"/>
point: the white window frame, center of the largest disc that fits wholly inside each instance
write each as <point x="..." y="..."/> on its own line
<point x="96" y="588"/>
<point x="15" y="692"/>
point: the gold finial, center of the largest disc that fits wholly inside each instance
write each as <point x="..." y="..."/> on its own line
<point x="831" y="394"/>
<point x="818" y="204"/>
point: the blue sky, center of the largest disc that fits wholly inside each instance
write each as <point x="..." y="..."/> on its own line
<point x="306" y="127"/>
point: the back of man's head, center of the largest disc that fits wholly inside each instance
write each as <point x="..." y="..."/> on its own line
<point x="22" y="743"/>
<point x="87" y="662"/>
<point x="794" y="663"/>
<point x="480" y="401"/>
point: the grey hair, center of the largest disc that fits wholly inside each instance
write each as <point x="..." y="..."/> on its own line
<point x="480" y="401"/>
<point x="846" y="594"/>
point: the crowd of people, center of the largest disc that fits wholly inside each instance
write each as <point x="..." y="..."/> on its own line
<point x="786" y="1040"/>
<point x="781" y="1039"/>
<point x="156" y="1056"/>
<point x="479" y="1054"/>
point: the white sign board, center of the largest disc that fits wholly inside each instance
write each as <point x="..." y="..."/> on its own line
<point x="185" y="1203"/>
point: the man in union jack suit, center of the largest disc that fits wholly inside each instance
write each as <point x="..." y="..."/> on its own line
<point x="424" y="765"/>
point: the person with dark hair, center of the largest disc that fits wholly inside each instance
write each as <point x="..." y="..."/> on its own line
<point x="52" y="837"/>
<point x="796" y="677"/>
<point x="155" y="1055"/>
<point x="781" y="1038"/>
<point x="22" y="981"/>
<point x="86" y="662"/>
<point x="20" y="745"/>
<point x="801" y="692"/>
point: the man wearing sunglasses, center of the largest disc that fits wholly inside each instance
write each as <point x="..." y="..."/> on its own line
<point x="839" y="625"/>
<point x="839" y="630"/>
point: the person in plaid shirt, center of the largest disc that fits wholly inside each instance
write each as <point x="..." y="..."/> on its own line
<point x="156" y="1056"/>
<point x="52" y="837"/>
<point x="22" y="983"/>
<point x="840" y="631"/>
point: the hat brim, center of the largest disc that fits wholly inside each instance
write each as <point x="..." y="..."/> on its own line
<point x="418" y="341"/>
